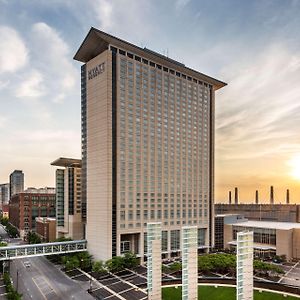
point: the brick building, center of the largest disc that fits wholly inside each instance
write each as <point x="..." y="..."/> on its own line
<point x="46" y="228"/>
<point x="25" y="207"/>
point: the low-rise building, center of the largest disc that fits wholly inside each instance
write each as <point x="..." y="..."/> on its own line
<point x="43" y="190"/>
<point x="269" y="238"/>
<point x="5" y="210"/>
<point x="262" y="211"/>
<point x="46" y="228"/>
<point x="25" y="207"/>
<point x="220" y="221"/>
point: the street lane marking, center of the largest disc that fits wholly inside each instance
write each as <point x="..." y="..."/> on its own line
<point x="44" y="286"/>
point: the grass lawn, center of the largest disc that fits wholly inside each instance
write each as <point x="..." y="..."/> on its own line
<point x="220" y="293"/>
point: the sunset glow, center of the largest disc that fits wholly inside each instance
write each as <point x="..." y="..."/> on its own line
<point x="295" y="167"/>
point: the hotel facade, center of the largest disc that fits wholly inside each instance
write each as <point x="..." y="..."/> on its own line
<point x="147" y="147"/>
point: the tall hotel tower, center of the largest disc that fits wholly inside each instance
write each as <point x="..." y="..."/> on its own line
<point x="147" y="147"/>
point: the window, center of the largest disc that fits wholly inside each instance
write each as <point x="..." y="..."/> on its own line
<point x="125" y="246"/>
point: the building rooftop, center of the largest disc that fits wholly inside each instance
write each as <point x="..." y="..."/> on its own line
<point x="227" y="215"/>
<point x="66" y="162"/>
<point x="45" y="219"/>
<point x="98" y="41"/>
<point x="268" y="224"/>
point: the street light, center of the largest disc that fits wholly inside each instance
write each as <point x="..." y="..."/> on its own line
<point x="90" y="288"/>
<point x="17" y="279"/>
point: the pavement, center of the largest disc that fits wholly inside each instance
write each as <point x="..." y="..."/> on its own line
<point x="43" y="280"/>
<point x="292" y="274"/>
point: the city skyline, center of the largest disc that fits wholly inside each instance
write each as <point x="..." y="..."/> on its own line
<point x="257" y="141"/>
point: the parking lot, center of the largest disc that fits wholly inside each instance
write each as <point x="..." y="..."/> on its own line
<point x="292" y="274"/>
<point x="124" y="285"/>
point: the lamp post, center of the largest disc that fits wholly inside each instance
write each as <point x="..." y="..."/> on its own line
<point x="17" y="279"/>
<point x="90" y="288"/>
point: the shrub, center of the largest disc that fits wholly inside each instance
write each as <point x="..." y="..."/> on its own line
<point x="115" y="264"/>
<point x="99" y="267"/>
<point x="33" y="238"/>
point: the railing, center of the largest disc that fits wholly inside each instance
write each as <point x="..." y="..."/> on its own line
<point x="20" y="251"/>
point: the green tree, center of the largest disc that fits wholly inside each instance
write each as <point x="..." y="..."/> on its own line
<point x="4" y="221"/>
<point x="85" y="260"/>
<point x="176" y="266"/>
<point x="115" y="264"/>
<point x="12" y="294"/>
<point x="63" y="239"/>
<point x="130" y="260"/>
<point x="3" y="244"/>
<point x="98" y="267"/>
<point x="71" y="262"/>
<point x="33" y="238"/>
<point x="11" y="230"/>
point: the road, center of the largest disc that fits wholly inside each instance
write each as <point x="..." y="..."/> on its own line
<point x="3" y="233"/>
<point x="43" y="280"/>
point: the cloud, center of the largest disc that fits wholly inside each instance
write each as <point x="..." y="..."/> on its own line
<point x="257" y="121"/>
<point x="260" y="106"/>
<point x="54" y="59"/>
<point x="180" y="4"/>
<point x="13" y="52"/>
<point x="3" y="84"/>
<point x="104" y="13"/>
<point x="3" y="121"/>
<point x="32" y="86"/>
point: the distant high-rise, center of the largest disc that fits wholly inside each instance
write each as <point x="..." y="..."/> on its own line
<point x="287" y="196"/>
<point x="147" y="146"/>
<point x="16" y="182"/>
<point x="256" y="197"/>
<point x="4" y="193"/>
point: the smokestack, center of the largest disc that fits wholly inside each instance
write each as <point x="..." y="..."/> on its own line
<point x="256" y="197"/>
<point x="271" y="195"/>
<point x="236" y="196"/>
<point x="229" y="197"/>
<point x="287" y="196"/>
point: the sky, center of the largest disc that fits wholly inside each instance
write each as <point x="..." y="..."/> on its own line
<point x="254" y="46"/>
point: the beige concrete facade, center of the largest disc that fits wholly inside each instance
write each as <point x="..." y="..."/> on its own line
<point x="99" y="162"/>
<point x="189" y="263"/>
<point x="268" y="240"/>
<point x="296" y="243"/>
<point x="149" y="147"/>
<point x="154" y="261"/>
<point x="284" y="243"/>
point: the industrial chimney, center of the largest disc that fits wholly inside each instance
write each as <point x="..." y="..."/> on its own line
<point x="236" y="196"/>
<point x="287" y="196"/>
<point x="272" y="195"/>
<point x="256" y="197"/>
<point x="229" y="197"/>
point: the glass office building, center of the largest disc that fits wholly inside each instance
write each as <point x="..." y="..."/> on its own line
<point x="147" y="147"/>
